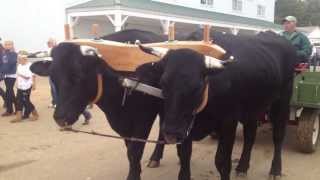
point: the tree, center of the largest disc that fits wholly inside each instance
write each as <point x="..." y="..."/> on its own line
<point x="295" y="8"/>
<point x="312" y="12"/>
<point x="306" y="11"/>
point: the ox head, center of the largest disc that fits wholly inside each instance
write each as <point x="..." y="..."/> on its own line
<point x="182" y="75"/>
<point x="73" y="71"/>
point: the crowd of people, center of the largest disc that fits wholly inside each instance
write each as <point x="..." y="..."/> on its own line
<point x="15" y="72"/>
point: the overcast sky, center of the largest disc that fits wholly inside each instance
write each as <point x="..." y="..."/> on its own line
<point x="29" y="23"/>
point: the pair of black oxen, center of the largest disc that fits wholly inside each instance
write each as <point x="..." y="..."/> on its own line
<point x="259" y="80"/>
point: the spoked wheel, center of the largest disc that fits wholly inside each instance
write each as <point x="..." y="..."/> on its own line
<point x="308" y="130"/>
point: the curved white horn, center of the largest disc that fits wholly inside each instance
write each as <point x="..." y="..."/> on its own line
<point x="89" y="51"/>
<point x="156" y="51"/>
<point x="213" y="63"/>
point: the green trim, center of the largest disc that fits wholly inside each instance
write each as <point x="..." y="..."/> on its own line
<point x="153" y="6"/>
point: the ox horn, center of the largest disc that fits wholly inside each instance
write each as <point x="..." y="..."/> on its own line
<point x="89" y="51"/>
<point x="214" y="63"/>
<point x="156" y="51"/>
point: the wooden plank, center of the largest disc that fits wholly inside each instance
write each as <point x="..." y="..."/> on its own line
<point x="172" y="32"/>
<point x="95" y="28"/>
<point x="206" y="34"/>
<point x="126" y="57"/>
<point x="67" y="32"/>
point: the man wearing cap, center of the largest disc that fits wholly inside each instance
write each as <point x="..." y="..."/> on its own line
<point x="297" y="39"/>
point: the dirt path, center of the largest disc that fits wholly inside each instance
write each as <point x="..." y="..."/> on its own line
<point x="38" y="151"/>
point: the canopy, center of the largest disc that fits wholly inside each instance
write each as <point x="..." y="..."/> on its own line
<point x="314" y="36"/>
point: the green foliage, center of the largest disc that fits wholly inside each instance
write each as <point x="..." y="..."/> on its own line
<point x="307" y="11"/>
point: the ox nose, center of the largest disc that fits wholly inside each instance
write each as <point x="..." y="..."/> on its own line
<point x="170" y="139"/>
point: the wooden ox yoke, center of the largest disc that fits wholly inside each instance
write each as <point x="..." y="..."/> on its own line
<point x="127" y="57"/>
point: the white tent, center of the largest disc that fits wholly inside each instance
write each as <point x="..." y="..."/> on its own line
<point x="314" y="36"/>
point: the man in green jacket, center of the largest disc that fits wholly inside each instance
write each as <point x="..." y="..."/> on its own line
<point x="297" y="39"/>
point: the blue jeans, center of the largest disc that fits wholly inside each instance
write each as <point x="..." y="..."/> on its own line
<point x="10" y="96"/>
<point x="54" y="94"/>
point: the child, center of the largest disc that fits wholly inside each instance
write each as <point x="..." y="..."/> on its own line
<point x="25" y="83"/>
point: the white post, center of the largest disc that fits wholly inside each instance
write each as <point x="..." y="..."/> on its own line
<point x="165" y="24"/>
<point x="234" y="30"/>
<point x="74" y="21"/>
<point x="117" y="21"/>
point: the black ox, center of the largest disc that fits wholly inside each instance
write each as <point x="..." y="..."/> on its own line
<point x="74" y="71"/>
<point x="260" y="80"/>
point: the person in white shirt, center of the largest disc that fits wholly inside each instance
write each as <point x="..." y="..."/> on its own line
<point x="25" y="83"/>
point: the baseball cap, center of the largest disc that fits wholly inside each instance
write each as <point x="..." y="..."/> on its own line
<point x="290" y="19"/>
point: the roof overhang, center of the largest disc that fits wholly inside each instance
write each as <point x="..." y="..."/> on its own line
<point x="83" y="11"/>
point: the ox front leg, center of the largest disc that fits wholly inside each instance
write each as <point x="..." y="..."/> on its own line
<point x="184" y="154"/>
<point x="227" y="133"/>
<point x="158" y="152"/>
<point x="134" y="153"/>
<point x="249" y="133"/>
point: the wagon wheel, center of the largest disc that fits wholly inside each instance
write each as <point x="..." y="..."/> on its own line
<point x="308" y="130"/>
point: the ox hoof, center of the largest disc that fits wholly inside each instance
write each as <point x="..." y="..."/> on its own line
<point x="274" y="177"/>
<point x="153" y="164"/>
<point x="241" y="174"/>
<point x="235" y="161"/>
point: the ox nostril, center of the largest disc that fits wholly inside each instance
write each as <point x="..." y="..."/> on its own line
<point x="170" y="139"/>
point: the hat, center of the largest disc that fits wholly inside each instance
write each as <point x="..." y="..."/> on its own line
<point x="290" y="19"/>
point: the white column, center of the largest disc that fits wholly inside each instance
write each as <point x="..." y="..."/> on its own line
<point x="117" y="21"/>
<point x="72" y="21"/>
<point x="165" y="26"/>
<point x="234" y="31"/>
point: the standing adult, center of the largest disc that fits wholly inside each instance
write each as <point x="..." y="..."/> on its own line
<point x="297" y="39"/>
<point x="9" y="68"/>
<point x="51" y="44"/>
<point x="2" y="92"/>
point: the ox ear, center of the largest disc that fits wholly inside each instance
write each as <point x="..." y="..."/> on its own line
<point x="150" y="73"/>
<point x="41" y="68"/>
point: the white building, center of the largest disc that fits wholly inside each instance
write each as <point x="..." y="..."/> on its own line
<point x="244" y="16"/>
<point x="258" y="9"/>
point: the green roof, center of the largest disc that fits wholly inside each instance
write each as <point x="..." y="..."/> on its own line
<point x="154" y="6"/>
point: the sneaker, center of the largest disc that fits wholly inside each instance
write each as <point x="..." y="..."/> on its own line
<point x="35" y="115"/>
<point x="53" y="106"/>
<point x="6" y="114"/>
<point x="18" y="117"/>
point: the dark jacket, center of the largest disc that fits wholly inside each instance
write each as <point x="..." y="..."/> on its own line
<point x="1" y="53"/>
<point x="301" y="43"/>
<point x="8" y="62"/>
